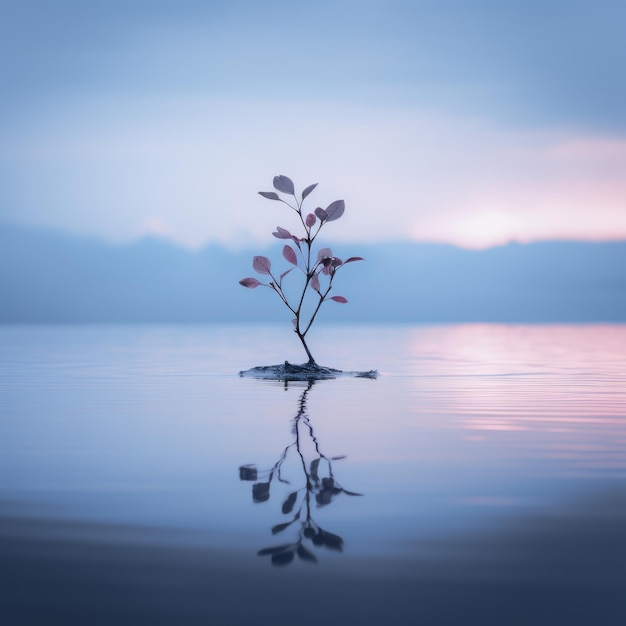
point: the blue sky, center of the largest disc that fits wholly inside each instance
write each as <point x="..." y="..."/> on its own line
<point x="473" y="122"/>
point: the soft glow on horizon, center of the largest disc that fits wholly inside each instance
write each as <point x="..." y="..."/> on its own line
<point x="405" y="174"/>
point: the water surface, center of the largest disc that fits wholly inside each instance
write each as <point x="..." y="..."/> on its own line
<point x="490" y="463"/>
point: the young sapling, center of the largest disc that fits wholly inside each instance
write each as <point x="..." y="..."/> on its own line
<point x="317" y="270"/>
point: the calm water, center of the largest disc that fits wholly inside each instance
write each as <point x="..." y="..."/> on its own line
<point x="481" y="479"/>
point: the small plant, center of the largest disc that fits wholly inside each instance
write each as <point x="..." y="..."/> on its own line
<point x="318" y="270"/>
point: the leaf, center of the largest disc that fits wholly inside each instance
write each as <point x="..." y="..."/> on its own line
<point x="260" y="492"/>
<point x="334" y="542"/>
<point x="279" y="527"/>
<point x="290" y="255"/>
<point x="261" y="264"/>
<point x="315" y="463"/>
<point x="310" y="220"/>
<point x="284" y="274"/>
<point x="247" y="472"/>
<point x="340" y="299"/>
<point x="306" y="555"/>
<point x="282" y="558"/>
<point x="315" y="283"/>
<point x="284" y="184"/>
<point x="308" y="190"/>
<point x="274" y="549"/>
<point x="324" y="253"/>
<point x="328" y="482"/>
<point x="289" y="502"/>
<point x="338" y="458"/>
<point x="282" y="233"/>
<point x="354" y="258"/>
<point x="324" y="497"/>
<point x="250" y="283"/>
<point x="318" y="538"/>
<point x="335" y="210"/>
<point x="321" y="214"/>
<point x="270" y="195"/>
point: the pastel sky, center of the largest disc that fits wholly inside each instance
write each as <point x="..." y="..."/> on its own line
<point x="474" y="122"/>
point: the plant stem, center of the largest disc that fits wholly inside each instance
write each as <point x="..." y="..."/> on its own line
<point x="306" y="348"/>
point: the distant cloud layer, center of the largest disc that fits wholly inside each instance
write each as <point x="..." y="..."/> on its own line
<point x="475" y="123"/>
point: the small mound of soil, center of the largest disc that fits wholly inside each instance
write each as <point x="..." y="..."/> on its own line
<point x="306" y="371"/>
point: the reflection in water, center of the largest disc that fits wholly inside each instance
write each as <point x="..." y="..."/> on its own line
<point x="318" y="482"/>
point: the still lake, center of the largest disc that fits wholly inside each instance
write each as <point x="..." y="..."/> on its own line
<point x="480" y="479"/>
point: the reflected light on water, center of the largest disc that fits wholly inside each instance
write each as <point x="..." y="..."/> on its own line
<point x="565" y="380"/>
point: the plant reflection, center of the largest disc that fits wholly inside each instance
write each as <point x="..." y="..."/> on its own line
<point x="319" y="485"/>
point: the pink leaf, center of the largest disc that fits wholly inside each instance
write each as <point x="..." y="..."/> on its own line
<point x="323" y="216"/>
<point x="335" y="210"/>
<point x="290" y="255"/>
<point x="261" y="264"/>
<point x="285" y="274"/>
<point x="336" y="262"/>
<point x="310" y="220"/>
<point x="251" y="283"/>
<point x="339" y="299"/>
<point x="308" y="190"/>
<point x="354" y="258"/>
<point x="284" y="184"/>
<point x="270" y="195"/>
<point x="315" y="283"/>
<point x="282" y="233"/>
<point x="324" y="253"/>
